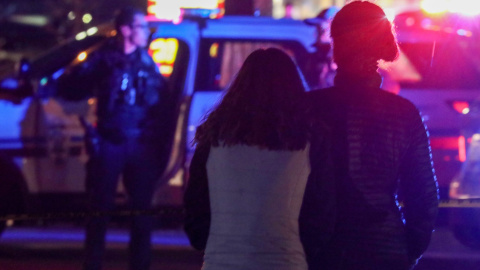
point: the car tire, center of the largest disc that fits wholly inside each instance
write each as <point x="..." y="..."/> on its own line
<point x="468" y="236"/>
<point x="12" y="190"/>
<point x="3" y="225"/>
<point x="466" y="227"/>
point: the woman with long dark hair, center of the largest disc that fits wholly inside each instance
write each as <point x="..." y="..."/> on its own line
<point x="380" y="150"/>
<point x="250" y="169"/>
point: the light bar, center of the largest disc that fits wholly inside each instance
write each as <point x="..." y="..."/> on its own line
<point x="164" y="11"/>
<point x="462" y="149"/>
<point x="175" y="10"/>
<point x="164" y="52"/>
<point x="465" y="7"/>
<point x="200" y="4"/>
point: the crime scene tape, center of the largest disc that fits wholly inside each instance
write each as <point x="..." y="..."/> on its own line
<point x="451" y="203"/>
<point x="77" y="215"/>
<point x="460" y="203"/>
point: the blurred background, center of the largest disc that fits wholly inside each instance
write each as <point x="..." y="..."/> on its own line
<point x="41" y="145"/>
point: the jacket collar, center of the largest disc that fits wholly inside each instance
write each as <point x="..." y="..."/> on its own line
<point x="353" y="81"/>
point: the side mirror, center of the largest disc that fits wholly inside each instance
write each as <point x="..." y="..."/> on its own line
<point x="24" y="69"/>
<point x="18" y="85"/>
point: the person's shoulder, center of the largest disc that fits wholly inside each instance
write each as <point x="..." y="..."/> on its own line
<point x="108" y="46"/>
<point x="107" y="50"/>
<point x="398" y="100"/>
<point x="320" y="91"/>
<point x="145" y="57"/>
<point x="147" y="61"/>
<point x="400" y="106"/>
<point x="319" y="94"/>
<point x="321" y="98"/>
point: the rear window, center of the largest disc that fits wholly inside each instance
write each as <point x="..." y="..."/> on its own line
<point x="220" y="60"/>
<point x="63" y="55"/>
<point x="448" y="64"/>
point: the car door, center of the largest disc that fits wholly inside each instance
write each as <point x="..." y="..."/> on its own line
<point x="219" y="61"/>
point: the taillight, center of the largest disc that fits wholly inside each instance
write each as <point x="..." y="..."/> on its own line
<point x="462" y="107"/>
<point x="451" y="144"/>
<point x="462" y="149"/>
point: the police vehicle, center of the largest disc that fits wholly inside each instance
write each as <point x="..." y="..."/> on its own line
<point x="439" y="71"/>
<point x="42" y="153"/>
<point x="42" y="164"/>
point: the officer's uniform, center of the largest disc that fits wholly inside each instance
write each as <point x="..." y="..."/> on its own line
<point x="131" y="97"/>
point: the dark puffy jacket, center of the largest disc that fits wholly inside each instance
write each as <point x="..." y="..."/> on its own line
<point x="380" y="149"/>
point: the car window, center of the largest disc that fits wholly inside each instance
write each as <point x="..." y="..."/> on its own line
<point x="438" y="52"/>
<point x="61" y="56"/>
<point x="448" y="64"/>
<point x="220" y="60"/>
<point x="19" y="40"/>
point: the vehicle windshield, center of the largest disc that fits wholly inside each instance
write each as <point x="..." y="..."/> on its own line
<point x="19" y="41"/>
<point x="438" y="52"/>
<point x="222" y="60"/>
<point x="447" y="64"/>
<point x="62" y="55"/>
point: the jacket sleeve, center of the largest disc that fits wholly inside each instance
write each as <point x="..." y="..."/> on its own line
<point x="196" y="200"/>
<point x="419" y="191"/>
<point x="317" y="215"/>
<point x="152" y="83"/>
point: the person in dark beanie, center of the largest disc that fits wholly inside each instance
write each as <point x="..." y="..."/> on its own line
<point x="380" y="151"/>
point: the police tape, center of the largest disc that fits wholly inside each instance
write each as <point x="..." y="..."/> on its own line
<point x="451" y="203"/>
<point x="460" y="203"/>
<point x="80" y="215"/>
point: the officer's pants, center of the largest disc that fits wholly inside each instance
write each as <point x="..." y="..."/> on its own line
<point x="140" y="167"/>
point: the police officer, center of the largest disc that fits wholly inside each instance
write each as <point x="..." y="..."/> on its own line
<point x="131" y="97"/>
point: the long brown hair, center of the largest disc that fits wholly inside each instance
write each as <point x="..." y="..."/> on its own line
<point x="262" y="107"/>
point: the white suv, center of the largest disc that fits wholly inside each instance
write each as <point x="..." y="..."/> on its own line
<point x="41" y="140"/>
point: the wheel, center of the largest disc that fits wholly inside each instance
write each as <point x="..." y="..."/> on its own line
<point x="466" y="227"/>
<point x="12" y="190"/>
<point x="3" y="224"/>
<point x="468" y="236"/>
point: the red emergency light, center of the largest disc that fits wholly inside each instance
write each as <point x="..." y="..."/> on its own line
<point x="462" y="107"/>
<point x="175" y="10"/>
<point x="451" y="143"/>
<point x="465" y="7"/>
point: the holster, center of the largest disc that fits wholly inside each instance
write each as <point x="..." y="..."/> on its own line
<point x="91" y="138"/>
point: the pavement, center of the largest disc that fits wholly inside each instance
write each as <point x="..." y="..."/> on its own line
<point x="59" y="247"/>
<point x="447" y="253"/>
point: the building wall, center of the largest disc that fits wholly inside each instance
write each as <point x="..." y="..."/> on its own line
<point x="302" y="9"/>
<point x="264" y="7"/>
